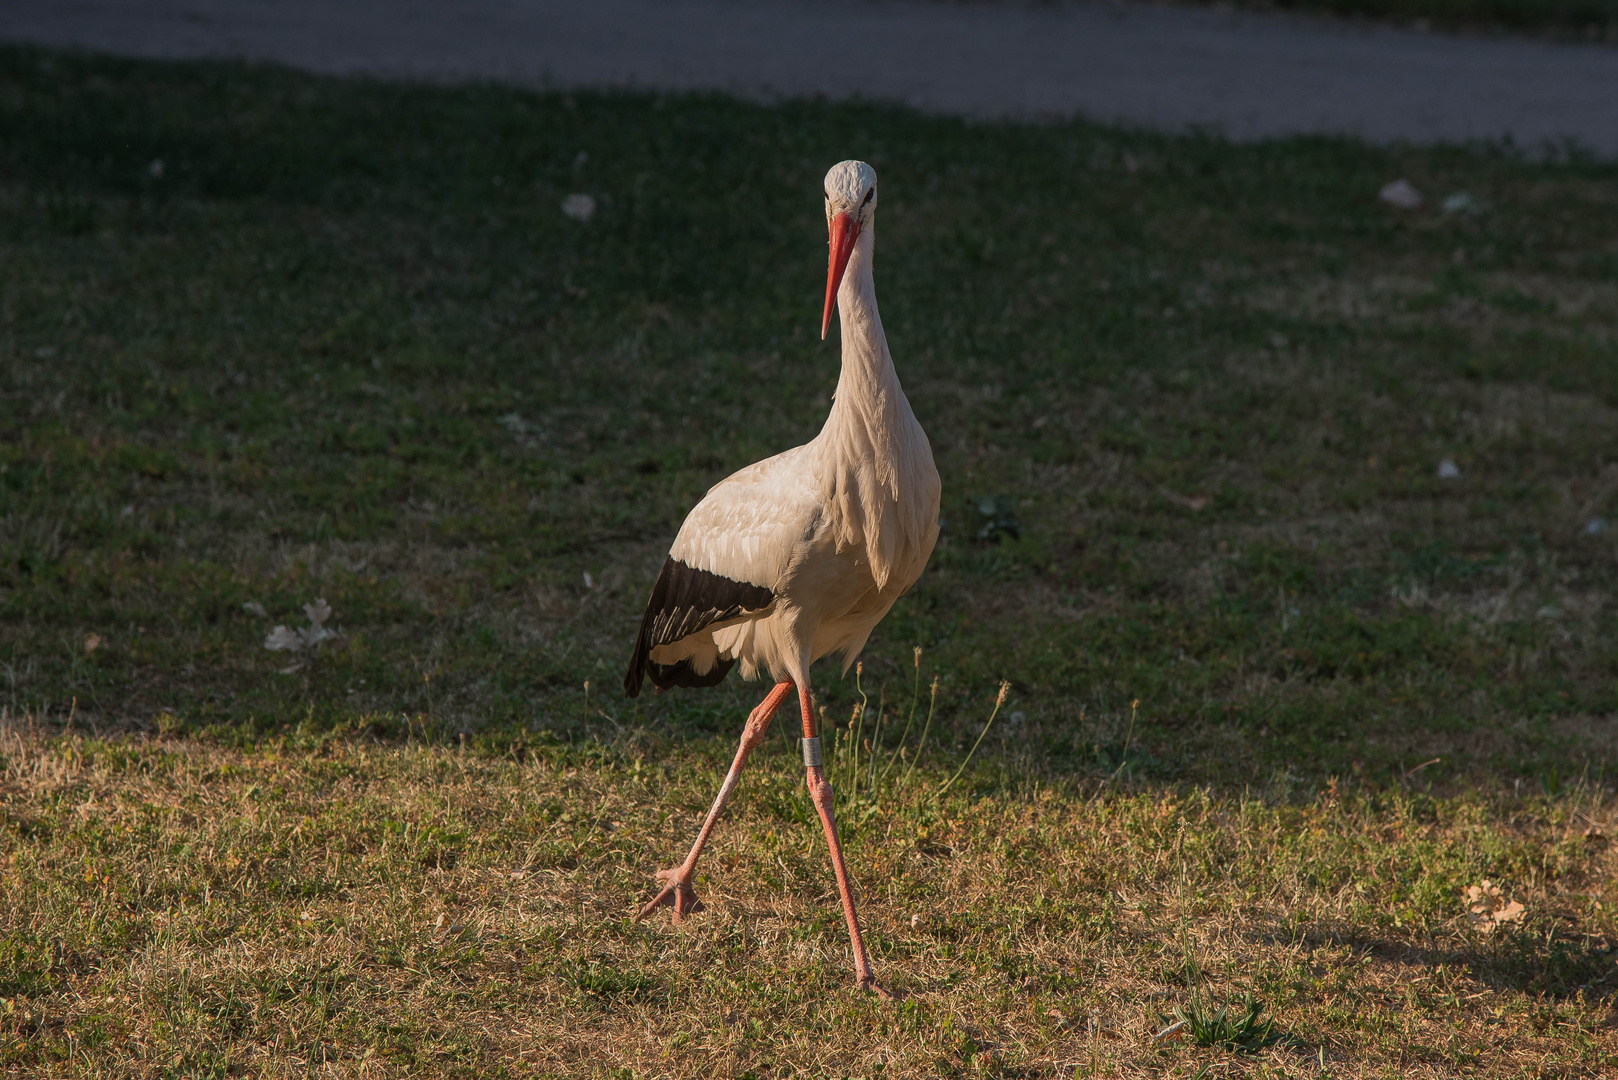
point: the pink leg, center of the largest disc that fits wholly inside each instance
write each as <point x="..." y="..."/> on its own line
<point x="677" y="892"/>
<point x="820" y="791"/>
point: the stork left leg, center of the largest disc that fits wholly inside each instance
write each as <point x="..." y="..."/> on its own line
<point x="820" y="791"/>
<point x="677" y="892"/>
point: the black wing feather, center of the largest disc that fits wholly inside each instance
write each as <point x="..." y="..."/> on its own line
<point x="684" y="601"/>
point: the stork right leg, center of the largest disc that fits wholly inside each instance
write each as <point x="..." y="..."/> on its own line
<point x="820" y="792"/>
<point x="677" y="892"/>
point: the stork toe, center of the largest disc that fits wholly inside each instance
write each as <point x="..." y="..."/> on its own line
<point x="677" y="894"/>
<point x="870" y="983"/>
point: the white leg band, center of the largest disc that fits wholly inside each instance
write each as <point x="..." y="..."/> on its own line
<point x="811" y="753"/>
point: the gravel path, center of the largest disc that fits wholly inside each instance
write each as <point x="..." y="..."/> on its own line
<point x="1249" y="76"/>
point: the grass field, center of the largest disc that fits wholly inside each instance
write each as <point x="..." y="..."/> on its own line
<point x="267" y="338"/>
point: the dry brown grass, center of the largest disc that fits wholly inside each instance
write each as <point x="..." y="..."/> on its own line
<point x="345" y="909"/>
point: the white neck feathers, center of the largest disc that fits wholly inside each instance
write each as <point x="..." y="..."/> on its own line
<point x="882" y="487"/>
<point x="868" y="381"/>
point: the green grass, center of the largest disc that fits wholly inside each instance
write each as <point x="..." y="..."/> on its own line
<point x="1243" y="1031"/>
<point x="1188" y="400"/>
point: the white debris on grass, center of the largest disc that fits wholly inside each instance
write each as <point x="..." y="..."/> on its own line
<point x="253" y="607"/>
<point x="283" y="639"/>
<point x="1461" y="202"/>
<point x="1401" y="193"/>
<point x="1448" y="470"/>
<point x="1174" y="1030"/>
<point x="287" y="639"/>
<point x="1595" y="526"/>
<point x="579" y="206"/>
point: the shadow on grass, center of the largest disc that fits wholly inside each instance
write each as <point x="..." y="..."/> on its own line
<point x="1550" y="964"/>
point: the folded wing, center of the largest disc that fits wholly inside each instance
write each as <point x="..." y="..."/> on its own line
<point x="733" y="549"/>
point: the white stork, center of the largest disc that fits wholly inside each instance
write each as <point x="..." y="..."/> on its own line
<point x="801" y="554"/>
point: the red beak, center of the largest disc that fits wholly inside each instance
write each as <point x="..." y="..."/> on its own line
<point x="844" y="231"/>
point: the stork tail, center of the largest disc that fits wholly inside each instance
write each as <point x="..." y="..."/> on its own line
<point x="686" y="601"/>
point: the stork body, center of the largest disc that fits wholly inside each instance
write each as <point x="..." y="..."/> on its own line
<point x="802" y="554"/>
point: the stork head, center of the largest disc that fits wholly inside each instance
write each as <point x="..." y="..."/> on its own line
<point x="850" y="209"/>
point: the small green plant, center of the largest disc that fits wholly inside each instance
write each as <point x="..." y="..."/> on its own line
<point x="999" y="700"/>
<point x="606" y="982"/>
<point x="1244" y="1031"/>
<point x="1129" y="737"/>
<point x="861" y="765"/>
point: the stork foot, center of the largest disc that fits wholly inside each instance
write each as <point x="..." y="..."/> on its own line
<point x="870" y="983"/>
<point x="677" y="893"/>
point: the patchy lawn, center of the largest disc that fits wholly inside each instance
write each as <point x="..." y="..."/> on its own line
<point x="267" y="338"/>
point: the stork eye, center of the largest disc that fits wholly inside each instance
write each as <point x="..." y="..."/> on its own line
<point x="868" y="195"/>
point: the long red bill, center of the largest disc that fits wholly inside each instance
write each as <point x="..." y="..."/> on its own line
<point x="844" y="231"/>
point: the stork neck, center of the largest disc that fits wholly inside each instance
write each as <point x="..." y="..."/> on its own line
<point x="867" y="385"/>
